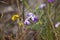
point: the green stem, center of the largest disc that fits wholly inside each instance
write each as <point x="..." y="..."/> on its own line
<point x="52" y="24"/>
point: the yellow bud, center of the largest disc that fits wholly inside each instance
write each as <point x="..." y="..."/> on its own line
<point x="20" y="23"/>
<point x="15" y="17"/>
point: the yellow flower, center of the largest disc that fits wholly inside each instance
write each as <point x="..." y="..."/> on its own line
<point x="15" y="17"/>
<point x="20" y="24"/>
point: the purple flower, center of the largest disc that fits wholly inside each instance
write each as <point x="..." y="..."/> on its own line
<point x="50" y="1"/>
<point x="32" y="17"/>
<point x="26" y="22"/>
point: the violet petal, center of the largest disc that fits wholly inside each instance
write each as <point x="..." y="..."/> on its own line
<point x="50" y="0"/>
<point x="26" y="22"/>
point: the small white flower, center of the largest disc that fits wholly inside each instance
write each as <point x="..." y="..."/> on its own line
<point x="42" y="6"/>
<point x="57" y="24"/>
<point x="30" y="14"/>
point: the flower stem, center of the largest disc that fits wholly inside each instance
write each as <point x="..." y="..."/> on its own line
<point x="52" y="24"/>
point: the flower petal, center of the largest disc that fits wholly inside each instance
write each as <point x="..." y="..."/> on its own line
<point x="26" y="22"/>
<point x="50" y="1"/>
<point x="35" y="19"/>
<point x="57" y="24"/>
<point x="30" y="14"/>
<point x="42" y="6"/>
